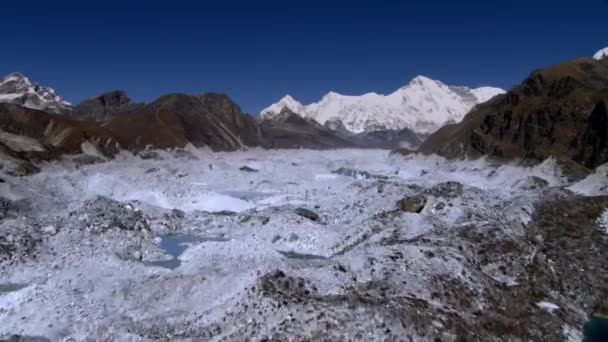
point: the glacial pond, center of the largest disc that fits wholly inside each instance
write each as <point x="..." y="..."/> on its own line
<point x="175" y="245"/>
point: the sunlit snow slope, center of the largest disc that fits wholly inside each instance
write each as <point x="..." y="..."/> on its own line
<point x="423" y="105"/>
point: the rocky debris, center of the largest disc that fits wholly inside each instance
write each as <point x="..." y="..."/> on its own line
<point x="357" y="174"/>
<point x="307" y="213"/>
<point x="102" y="214"/>
<point x="7" y="208"/>
<point x="279" y="285"/>
<point x="475" y="268"/>
<point x="23" y="338"/>
<point x="302" y="256"/>
<point x="17" y="243"/>
<point x="440" y="206"/>
<point x="449" y="189"/>
<point x="23" y="168"/>
<point x="149" y="155"/>
<point x="572" y="170"/>
<point x="87" y="159"/>
<point x="531" y="183"/>
<point x="412" y="204"/>
<point x="248" y="169"/>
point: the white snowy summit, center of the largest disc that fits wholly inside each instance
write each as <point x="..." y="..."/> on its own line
<point x="16" y="88"/>
<point x="423" y="105"/>
<point x="602" y="54"/>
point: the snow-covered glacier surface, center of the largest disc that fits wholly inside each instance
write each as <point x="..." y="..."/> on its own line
<point x="286" y="244"/>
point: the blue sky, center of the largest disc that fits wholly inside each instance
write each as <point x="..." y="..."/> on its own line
<point x="257" y="51"/>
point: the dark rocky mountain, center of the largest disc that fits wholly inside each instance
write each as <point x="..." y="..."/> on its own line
<point x="380" y="139"/>
<point x="558" y="111"/>
<point x="35" y="134"/>
<point x="172" y="121"/>
<point x="104" y="106"/>
<point x="205" y="120"/>
<point x="289" y="130"/>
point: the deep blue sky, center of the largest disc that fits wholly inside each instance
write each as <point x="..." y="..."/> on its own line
<point x="257" y="51"/>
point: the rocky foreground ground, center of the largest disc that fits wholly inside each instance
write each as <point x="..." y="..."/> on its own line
<point x="301" y="245"/>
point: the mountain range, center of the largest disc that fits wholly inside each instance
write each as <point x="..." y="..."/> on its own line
<point x="423" y="106"/>
<point x="557" y="111"/>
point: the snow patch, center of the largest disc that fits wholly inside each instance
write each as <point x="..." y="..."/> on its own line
<point x="572" y="334"/>
<point x="602" y="54"/>
<point x="547" y="306"/>
<point x="595" y="184"/>
<point x="602" y="221"/>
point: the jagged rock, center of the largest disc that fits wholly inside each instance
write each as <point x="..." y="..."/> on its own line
<point x="449" y="189"/>
<point x="572" y="170"/>
<point x="531" y="183"/>
<point x="248" y="169"/>
<point x="309" y="214"/>
<point x="412" y="204"/>
<point x="102" y="214"/>
<point x="23" y="168"/>
<point x="104" y="106"/>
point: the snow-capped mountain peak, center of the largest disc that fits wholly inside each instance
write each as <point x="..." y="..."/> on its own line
<point x="602" y="54"/>
<point x="286" y="101"/>
<point x="423" y="105"/>
<point x="18" y="89"/>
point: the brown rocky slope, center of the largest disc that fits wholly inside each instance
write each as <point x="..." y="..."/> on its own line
<point x="171" y="121"/>
<point x="559" y="111"/>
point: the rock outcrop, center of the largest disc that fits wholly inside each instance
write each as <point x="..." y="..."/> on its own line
<point x="105" y="106"/>
<point x="559" y="111"/>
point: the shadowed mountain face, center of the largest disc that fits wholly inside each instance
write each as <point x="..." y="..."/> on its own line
<point x="206" y="120"/>
<point x="34" y="133"/>
<point x="558" y="111"/>
<point x="289" y="130"/>
<point x="172" y="121"/>
<point x="104" y="106"/>
<point x="381" y="139"/>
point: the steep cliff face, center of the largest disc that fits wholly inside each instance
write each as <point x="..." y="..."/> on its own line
<point x="558" y="111"/>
